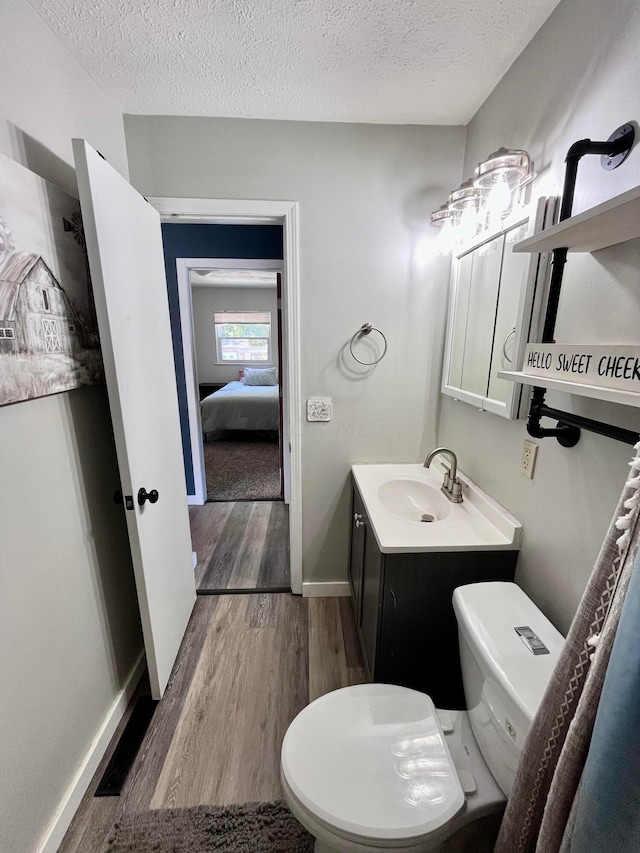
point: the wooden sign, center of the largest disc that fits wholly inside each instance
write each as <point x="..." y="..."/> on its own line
<point x="604" y="366"/>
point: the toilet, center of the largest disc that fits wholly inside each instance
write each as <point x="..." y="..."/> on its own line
<point x="377" y="767"/>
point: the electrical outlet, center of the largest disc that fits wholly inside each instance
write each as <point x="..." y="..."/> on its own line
<point x="528" y="458"/>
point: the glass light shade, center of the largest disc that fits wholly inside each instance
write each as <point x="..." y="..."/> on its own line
<point x="444" y="220"/>
<point x="507" y="165"/>
<point x="442" y="216"/>
<point x="469" y="224"/>
<point x="446" y="238"/>
<point x="499" y="200"/>
<point x="467" y="195"/>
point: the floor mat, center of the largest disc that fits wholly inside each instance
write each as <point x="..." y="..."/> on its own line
<point x="251" y="828"/>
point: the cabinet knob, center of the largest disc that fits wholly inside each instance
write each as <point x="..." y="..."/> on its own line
<point x="357" y="517"/>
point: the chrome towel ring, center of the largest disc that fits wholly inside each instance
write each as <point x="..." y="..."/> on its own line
<point x="364" y="330"/>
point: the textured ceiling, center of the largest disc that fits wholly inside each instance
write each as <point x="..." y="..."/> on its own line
<point x="392" y="61"/>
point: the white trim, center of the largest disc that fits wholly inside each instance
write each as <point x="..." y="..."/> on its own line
<point x="249" y="211"/>
<point x="52" y="838"/>
<point x="326" y="589"/>
<point x="242" y="211"/>
<point x="232" y="263"/>
<point x="191" y="383"/>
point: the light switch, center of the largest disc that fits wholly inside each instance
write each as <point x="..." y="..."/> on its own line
<point x="319" y="408"/>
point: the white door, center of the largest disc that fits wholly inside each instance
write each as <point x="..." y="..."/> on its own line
<point x="124" y="245"/>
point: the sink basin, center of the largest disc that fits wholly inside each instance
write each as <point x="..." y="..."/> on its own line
<point x="396" y="496"/>
<point x="414" y="500"/>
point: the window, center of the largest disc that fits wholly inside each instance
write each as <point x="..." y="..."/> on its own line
<point x="45" y="300"/>
<point x="7" y="333"/>
<point x="242" y="336"/>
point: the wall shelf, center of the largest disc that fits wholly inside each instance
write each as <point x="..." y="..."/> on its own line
<point x="614" y="221"/>
<point x="609" y="395"/>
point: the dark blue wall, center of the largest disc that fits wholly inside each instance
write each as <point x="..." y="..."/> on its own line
<point x="207" y="241"/>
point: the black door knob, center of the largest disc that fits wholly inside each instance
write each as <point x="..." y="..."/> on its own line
<point x="144" y="495"/>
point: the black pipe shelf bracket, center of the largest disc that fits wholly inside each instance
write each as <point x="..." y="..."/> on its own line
<point x="613" y="152"/>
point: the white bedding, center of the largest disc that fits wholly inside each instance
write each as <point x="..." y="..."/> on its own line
<point x="240" y="406"/>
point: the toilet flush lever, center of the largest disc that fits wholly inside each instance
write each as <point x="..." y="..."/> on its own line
<point x="531" y="640"/>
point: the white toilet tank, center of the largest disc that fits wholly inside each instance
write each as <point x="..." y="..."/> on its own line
<point x="505" y="672"/>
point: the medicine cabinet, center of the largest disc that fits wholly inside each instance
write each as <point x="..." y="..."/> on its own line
<point x="494" y="303"/>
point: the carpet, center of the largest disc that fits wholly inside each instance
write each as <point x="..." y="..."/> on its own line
<point x="251" y="828"/>
<point x="245" y="468"/>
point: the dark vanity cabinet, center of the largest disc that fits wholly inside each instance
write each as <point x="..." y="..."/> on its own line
<point x="404" y="612"/>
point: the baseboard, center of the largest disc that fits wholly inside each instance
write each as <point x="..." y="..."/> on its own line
<point x="322" y="589"/>
<point x="61" y="821"/>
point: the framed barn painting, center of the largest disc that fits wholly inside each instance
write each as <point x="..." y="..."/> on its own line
<point x="48" y="330"/>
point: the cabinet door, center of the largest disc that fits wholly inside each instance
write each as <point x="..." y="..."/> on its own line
<point x="357" y="551"/>
<point x="372" y="571"/>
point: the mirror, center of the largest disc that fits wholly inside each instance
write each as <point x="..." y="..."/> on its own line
<point x="495" y="295"/>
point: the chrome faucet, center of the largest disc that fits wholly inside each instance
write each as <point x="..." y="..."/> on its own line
<point x="452" y="486"/>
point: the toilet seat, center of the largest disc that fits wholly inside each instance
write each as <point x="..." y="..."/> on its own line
<point x="371" y="762"/>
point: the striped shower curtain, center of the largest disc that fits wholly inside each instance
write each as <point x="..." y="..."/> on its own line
<point x="557" y="774"/>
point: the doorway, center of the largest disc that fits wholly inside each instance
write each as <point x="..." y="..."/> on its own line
<point x="240" y="535"/>
<point x="284" y="214"/>
<point x="235" y="324"/>
<point x="232" y="351"/>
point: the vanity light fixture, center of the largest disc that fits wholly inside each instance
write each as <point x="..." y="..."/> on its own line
<point x="505" y="164"/>
<point x="467" y="195"/>
<point x="501" y="175"/>
<point x="444" y="221"/>
<point x="485" y="200"/>
<point x="466" y="201"/>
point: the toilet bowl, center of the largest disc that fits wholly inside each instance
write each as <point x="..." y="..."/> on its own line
<point x="369" y="768"/>
<point x="376" y="767"/>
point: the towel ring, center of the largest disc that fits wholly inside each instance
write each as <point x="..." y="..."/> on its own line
<point x="504" y="345"/>
<point x="366" y="329"/>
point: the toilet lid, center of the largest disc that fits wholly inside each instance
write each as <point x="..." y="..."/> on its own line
<point x="371" y="760"/>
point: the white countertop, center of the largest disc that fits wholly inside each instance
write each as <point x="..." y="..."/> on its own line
<point x="479" y="523"/>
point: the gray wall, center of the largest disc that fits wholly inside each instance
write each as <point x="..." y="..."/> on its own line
<point x="365" y="192"/>
<point x="578" y="78"/>
<point x="208" y="300"/>
<point x="68" y="616"/>
<point x="69" y="628"/>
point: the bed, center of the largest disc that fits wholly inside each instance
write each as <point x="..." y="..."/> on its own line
<point x="240" y="406"/>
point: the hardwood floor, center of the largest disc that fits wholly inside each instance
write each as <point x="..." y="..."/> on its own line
<point x="335" y="659"/>
<point x="241" y="545"/>
<point x="247" y="665"/>
<point x="226" y="746"/>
